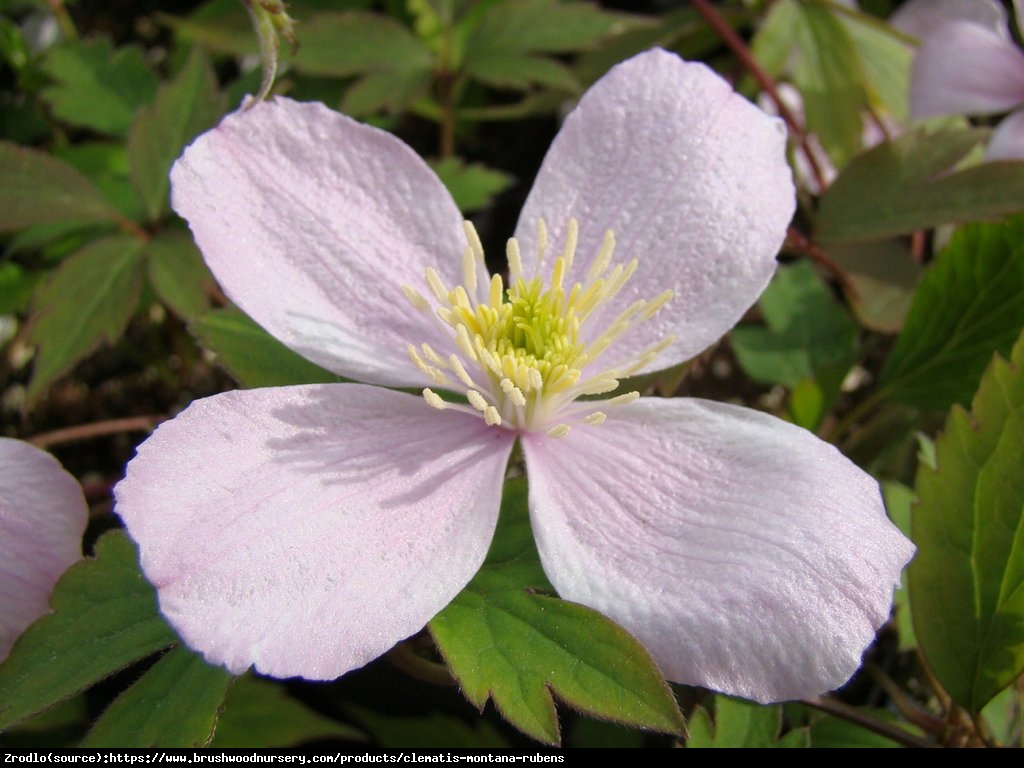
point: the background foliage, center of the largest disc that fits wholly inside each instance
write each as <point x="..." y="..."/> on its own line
<point x="892" y="329"/>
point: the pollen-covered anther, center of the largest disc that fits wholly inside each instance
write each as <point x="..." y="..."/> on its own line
<point x="436" y="374"/>
<point x="460" y="370"/>
<point x="515" y="394"/>
<point x="491" y="415"/>
<point x="524" y="353"/>
<point x="434" y="400"/>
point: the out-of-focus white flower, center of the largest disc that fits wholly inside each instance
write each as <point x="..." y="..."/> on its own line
<point x="967" y="64"/>
<point x="42" y="518"/>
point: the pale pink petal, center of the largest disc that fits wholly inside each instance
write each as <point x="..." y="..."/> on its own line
<point x="42" y="519"/>
<point x="919" y="18"/>
<point x="306" y="530"/>
<point x="692" y="179"/>
<point x="312" y="222"/>
<point x="747" y="555"/>
<point x="963" y="68"/>
<point x="1007" y="143"/>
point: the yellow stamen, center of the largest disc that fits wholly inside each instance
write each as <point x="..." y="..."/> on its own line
<point x="524" y="354"/>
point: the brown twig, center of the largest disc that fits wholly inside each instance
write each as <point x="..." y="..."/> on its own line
<point x="96" y="429"/>
<point x="742" y="52"/>
<point x="797" y="242"/>
<point x="864" y="720"/>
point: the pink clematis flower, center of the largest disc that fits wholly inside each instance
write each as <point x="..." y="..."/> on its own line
<point x="42" y="518"/>
<point x="305" y="530"/>
<point x="967" y="64"/>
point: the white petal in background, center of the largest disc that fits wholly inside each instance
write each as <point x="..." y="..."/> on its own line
<point x="306" y="530"/>
<point x="919" y="18"/>
<point x="1007" y="143"/>
<point x="42" y="518"/>
<point x="311" y="222"/>
<point x="964" y="68"/>
<point x="747" y="555"/>
<point x="693" y="180"/>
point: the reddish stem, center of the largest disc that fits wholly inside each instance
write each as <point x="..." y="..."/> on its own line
<point x="799" y="243"/>
<point x="742" y="52"/>
<point x="96" y="429"/>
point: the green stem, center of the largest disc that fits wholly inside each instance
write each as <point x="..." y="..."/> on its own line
<point x="855" y="414"/>
<point x="447" y="83"/>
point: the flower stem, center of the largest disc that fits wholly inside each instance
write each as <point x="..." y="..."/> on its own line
<point x="840" y="428"/>
<point x="767" y="84"/>
<point x="447" y="85"/>
<point x="798" y="242"/>
<point x="96" y="429"/>
<point x="866" y="721"/>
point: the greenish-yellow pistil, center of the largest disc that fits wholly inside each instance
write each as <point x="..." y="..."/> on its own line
<point x="519" y="355"/>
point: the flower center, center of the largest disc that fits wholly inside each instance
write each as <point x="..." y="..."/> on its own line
<point x="522" y="361"/>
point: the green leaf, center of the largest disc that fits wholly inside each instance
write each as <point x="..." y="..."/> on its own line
<point x="253" y="356"/>
<point x="16" y="287"/>
<point x="548" y="26"/>
<point x="105" y="164"/>
<point x="807" y="332"/>
<point x="472" y="185"/>
<point x="884" y="57"/>
<point x="97" y="87"/>
<point x="772" y="45"/>
<point x="355" y="43"/>
<point x="62" y="724"/>
<point x="884" y="277"/>
<point x="828" y="75"/>
<point x="104" y="618"/>
<point x="505" y="46"/>
<point x="521" y="72"/>
<point x="969" y="305"/>
<point x="1004" y="716"/>
<point x="594" y="734"/>
<point x="898" y="502"/>
<point x="89" y="300"/>
<point x="385" y="92"/>
<point x="808" y="336"/>
<point x="835" y="733"/>
<point x="967" y="580"/>
<point x="430" y="731"/>
<point x="13" y="48"/>
<point x="219" y="25"/>
<point x="906" y="184"/>
<point x="51" y="243"/>
<point x="738" y="723"/>
<point x="179" y="275"/>
<point x="393" y="65"/>
<point x="224" y="25"/>
<point x="260" y="713"/>
<point x="174" y="704"/>
<point x="807" y="406"/>
<point x="38" y="189"/>
<point x="505" y="641"/>
<point x="183" y="108"/>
